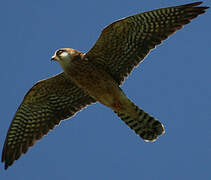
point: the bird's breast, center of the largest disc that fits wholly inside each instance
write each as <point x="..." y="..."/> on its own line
<point x="95" y="81"/>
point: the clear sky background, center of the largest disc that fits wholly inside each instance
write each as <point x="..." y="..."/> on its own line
<point x="173" y="84"/>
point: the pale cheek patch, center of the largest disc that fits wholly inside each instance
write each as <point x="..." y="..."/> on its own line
<point x="65" y="58"/>
<point x="64" y="54"/>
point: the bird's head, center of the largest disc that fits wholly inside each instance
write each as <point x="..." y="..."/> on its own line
<point x="64" y="56"/>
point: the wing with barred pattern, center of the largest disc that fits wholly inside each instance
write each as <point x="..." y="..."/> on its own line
<point x="124" y="44"/>
<point x="44" y="106"/>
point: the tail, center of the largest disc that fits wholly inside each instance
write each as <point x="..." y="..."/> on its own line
<point x="142" y="123"/>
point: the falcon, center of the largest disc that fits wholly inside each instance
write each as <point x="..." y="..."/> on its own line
<point x="96" y="76"/>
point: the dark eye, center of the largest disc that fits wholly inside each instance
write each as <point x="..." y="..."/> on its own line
<point x="59" y="52"/>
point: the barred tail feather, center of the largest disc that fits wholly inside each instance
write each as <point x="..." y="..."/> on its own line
<point x="145" y="125"/>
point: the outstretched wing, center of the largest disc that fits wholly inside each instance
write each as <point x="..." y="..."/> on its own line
<point x="124" y="43"/>
<point x="44" y="106"/>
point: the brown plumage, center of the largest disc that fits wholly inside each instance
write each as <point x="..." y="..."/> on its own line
<point x="44" y="106"/>
<point x="96" y="76"/>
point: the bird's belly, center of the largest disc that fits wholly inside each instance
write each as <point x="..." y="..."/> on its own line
<point x="98" y="84"/>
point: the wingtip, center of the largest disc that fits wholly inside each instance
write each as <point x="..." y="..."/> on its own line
<point x="6" y="167"/>
<point x="204" y="7"/>
<point x="7" y="164"/>
<point x="194" y="3"/>
<point x="200" y="2"/>
<point x="7" y="158"/>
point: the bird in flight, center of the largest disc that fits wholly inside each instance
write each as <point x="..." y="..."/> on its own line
<point x="96" y="76"/>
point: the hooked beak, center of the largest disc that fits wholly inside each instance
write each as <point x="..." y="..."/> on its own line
<point x="53" y="58"/>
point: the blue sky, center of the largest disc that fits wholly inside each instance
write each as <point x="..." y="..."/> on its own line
<point x="173" y="84"/>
